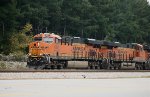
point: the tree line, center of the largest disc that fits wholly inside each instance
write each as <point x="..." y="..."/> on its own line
<point x="114" y="20"/>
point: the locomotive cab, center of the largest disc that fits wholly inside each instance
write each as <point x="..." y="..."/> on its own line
<point x="43" y="43"/>
<point x="45" y="37"/>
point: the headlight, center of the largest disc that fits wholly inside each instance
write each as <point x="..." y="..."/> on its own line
<point x="38" y="44"/>
<point x="29" y="54"/>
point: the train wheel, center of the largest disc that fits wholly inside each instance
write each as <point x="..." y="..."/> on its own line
<point x="52" y="66"/>
<point x="137" y="67"/>
<point x="107" y="66"/>
<point x="96" y="67"/>
<point x="93" y="67"/>
<point x="119" y="67"/>
<point x="89" y="67"/>
<point x="59" y="66"/>
<point x="115" y="68"/>
<point x="146" y="66"/>
<point x="40" y="67"/>
<point x="36" y="67"/>
<point x="110" y="68"/>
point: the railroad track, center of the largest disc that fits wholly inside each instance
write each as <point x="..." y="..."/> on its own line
<point x="70" y="70"/>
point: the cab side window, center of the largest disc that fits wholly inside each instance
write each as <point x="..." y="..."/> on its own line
<point x="48" y="39"/>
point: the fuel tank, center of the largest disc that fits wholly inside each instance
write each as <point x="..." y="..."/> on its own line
<point x="126" y="65"/>
<point x="78" y="64"/>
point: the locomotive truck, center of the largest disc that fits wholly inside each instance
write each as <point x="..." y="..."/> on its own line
<point x="50" y="51"/>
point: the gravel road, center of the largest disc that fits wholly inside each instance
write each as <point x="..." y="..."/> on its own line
<point x="136" y="87"/>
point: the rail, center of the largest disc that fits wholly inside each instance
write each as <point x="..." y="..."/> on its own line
<point x="70" y="70"/>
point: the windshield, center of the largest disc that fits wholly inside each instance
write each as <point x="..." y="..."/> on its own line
<point x="48" y="39"/>
<point x="38" y="39"/>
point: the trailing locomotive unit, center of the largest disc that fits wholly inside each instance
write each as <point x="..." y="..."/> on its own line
<point x="53" y="52"/>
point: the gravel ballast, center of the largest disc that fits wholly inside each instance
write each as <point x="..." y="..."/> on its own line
<point x="73" y="75"/>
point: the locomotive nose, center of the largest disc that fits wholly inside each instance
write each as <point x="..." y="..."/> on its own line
<point x="36" y="49"/>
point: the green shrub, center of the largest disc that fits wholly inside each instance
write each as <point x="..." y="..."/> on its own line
<point x="17" y="41"/>
<point x="3" y="66"/>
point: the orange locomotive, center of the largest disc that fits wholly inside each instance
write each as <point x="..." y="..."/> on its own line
<point x="53" y="52"/>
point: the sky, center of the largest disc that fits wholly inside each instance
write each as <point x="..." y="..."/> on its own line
<point x="148" y="1"/>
